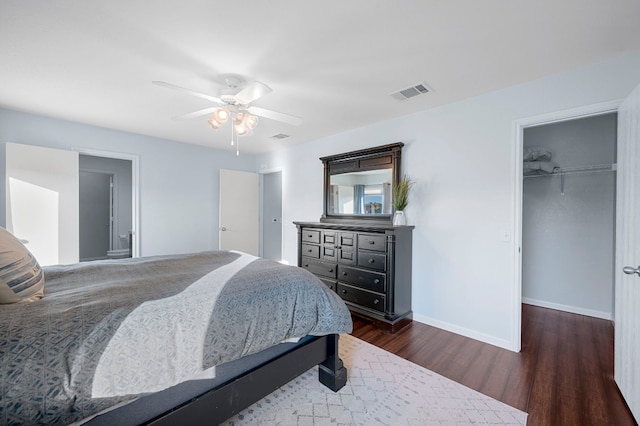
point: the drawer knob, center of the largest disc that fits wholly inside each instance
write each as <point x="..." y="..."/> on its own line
<point x="370" y="260"/>
<point x="376" y="301"/>
<point x="331" y="270"/>
<point x="344" y="291"/>
<point x="306" y="265"/>
<point x="345" y="274"/>
<point x="376" y="281"/>
<point x="372" y="242"/>
<point x="310" y="250"/>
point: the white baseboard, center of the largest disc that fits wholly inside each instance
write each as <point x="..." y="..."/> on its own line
<point x="90" y="259"/>
<point x="501" y="343"/>
<point x="567" y="308"/>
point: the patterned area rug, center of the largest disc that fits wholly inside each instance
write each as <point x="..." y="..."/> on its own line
<point x="383" y="389"/>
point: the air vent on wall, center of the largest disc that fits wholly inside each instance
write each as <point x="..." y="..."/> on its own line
<point x="280" y="136"/>
<point x="410" y="92"/>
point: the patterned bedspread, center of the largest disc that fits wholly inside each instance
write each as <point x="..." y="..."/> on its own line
<point x="108" y="331"/>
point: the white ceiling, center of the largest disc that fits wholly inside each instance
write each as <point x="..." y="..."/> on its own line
<point x="332" y="62"/>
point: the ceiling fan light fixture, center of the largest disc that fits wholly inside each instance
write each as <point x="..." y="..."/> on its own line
<point x="234" y="107"/>
<point x="221" y="115"/>
<point x="241" y="129"/>
<point x="251" y="121"/>
<point x="215" y="125"/>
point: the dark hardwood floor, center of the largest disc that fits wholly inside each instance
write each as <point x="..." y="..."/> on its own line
<point x="562" y="376"/>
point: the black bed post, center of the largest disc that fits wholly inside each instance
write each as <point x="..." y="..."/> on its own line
<point x="332" y="373"/>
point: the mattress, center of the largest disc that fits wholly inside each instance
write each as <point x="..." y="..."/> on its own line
<point x="109" y="332"/>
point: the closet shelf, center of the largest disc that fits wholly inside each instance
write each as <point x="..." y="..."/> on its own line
<point x="563" y="171"/>
<point x="578" y="169"/>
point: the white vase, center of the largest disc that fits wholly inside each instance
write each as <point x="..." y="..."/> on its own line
<point x="399" y="219"/>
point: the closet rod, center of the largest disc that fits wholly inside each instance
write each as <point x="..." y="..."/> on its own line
<point x="579" y="169"/>
<point x="563" y="171"/>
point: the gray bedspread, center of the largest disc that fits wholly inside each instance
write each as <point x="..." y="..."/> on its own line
<point x="108" y="331"/>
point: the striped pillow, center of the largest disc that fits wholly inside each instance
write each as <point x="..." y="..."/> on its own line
<point x="21" y="278"/>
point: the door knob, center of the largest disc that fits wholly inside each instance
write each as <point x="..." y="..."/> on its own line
<point x="630" y="270"/>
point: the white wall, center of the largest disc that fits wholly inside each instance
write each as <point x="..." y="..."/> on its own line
<point x="462" y="158"/>
<point x="568" y="237"/>
<point x="178" y="182"/>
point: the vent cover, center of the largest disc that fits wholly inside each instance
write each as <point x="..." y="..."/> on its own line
<point x="280" y="136"/>
<point x="410" y="92"/>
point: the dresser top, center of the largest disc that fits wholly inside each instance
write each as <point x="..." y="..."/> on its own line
<point x="354" y="226"/>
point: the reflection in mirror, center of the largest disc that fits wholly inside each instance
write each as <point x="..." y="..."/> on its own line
<point x="365" y="192"/>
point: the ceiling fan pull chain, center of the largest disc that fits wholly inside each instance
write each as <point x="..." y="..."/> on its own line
<point x="231" y="135"/>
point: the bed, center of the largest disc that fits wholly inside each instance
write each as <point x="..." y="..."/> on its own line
<point x="185" y="339"/>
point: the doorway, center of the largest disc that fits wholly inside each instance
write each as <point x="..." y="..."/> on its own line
<point x="568" y="215"/>
<point x="124" y="236"/>
<point x="518" y="181"/>
<point x="271" y="214"/>
<point x="105" y="208"/>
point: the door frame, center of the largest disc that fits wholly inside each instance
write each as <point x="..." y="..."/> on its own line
<point x="517" y="182"/>
<point x="135" y="190"/>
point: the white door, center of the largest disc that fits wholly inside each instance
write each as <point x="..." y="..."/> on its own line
<point x="42" y="201"/>
<point x="239" y="211"/>
<point x="627" y="287"/>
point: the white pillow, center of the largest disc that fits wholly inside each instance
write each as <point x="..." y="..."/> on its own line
<point x="21" y="278"/>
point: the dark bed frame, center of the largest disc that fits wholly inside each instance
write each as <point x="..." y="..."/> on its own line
<point x="227" y="399"/>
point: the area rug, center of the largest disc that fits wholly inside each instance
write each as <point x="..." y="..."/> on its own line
<point x="383" y="389"/>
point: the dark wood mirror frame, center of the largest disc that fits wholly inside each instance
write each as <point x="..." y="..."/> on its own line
<point x="377" y="158"/>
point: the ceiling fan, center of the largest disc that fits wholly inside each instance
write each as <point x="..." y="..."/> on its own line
<point x="233" y="104"/>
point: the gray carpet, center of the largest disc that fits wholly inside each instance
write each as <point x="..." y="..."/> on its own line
<point x="383" y="389"/>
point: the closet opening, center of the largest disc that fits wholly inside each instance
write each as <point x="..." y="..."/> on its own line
<point x="568" y="215"/>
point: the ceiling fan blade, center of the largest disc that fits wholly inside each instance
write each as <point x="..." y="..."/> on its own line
<point x="252" y="92"/>
<point x="274" y="115"/>
<point x="189" y="91"/>
<point x="195" y="114"/>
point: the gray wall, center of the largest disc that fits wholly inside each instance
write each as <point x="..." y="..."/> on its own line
<point x="179" y="183"/>
<point x="568" y="240"/>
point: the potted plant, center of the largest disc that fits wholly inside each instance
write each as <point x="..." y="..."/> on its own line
<point x="400" y="199"/>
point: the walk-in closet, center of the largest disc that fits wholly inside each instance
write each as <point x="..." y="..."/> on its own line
<point x="568" y="215"/>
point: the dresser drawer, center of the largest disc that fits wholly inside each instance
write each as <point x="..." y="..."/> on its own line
<point x="320" y="268"/>
<point x="310" y="250"/>
<point x="372" y="260"/>
<point x="347" y="239"/>
<point x="372" y="242"/>
<point x="367" y="299"/>
<point x="347" y="257"/>
<point x="332" y="284"/>
<point x="364" y="279"/>
<point x="309" y="236"/>
<point x="328" y="253"/>
<point x="328" y="237"/>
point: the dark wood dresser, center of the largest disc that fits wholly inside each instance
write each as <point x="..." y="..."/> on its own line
<point x="368" y="265"/>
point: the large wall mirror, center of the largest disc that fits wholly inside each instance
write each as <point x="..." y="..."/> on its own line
<point x="358" y="184"/>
